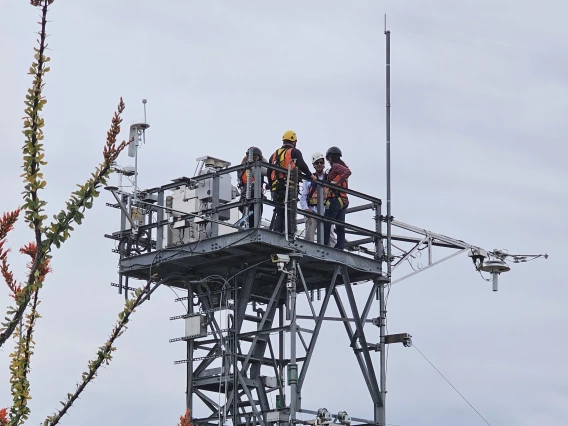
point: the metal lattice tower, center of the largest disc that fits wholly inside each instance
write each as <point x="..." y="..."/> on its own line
<point x="247" y="337"/>
<point x="242" y="313"/>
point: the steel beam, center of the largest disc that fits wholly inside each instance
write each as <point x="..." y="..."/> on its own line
<point x="380" y="412"/>
<point x="259" y="418"/>
<point x="207" y="361"/>
<point x="214" y="204"/>
<point x="293" y="366"/>
<point x="199" y="253"/>
<point x="366" y="310"/>
<point x="212" y="405"/>
<point x="359" y="327"/>
<point x="368" y="379"/>
<point x="243" y="298"/>
<point x="189" y="347"/>
<point x="160" y="219"/>
<point x="429" y="266"/>
<point x="258" y="353"/>
<point x="317" y="329"/>
<point x="275" y="294"/>
<point x="307" y="317"/>
<point x="298" y="267"/>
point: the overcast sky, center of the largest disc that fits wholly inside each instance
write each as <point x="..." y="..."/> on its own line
<point x="479" y="101"/>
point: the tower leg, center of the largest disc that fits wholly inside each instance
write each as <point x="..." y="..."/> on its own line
<point x="380" y="414"/>
<point x="293" y="367"/>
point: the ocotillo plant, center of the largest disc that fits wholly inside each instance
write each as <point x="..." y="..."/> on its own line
<point x="21" y="318"/>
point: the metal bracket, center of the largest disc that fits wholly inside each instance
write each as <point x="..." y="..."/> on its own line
<point x="404" y="338"/>
<point x="122" y="206"/>
<point x="377" y="322"/>
<point x="125" y="287"/>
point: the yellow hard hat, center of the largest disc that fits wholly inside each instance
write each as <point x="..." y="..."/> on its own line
<point x="290" y="135"/>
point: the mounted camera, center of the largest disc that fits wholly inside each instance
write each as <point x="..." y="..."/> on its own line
<point x="280" y="260"/>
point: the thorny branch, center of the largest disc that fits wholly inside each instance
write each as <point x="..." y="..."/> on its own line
<point x="58" y="231"/>
<point x="20" y="364"/>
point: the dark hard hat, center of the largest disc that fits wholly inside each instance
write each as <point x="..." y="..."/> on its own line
<point x="255" y="151"/>
<point x="333" y="150"/>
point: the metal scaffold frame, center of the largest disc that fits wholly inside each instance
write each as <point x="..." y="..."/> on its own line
<point x="256" y="349"/>
<point x="307" y="268"/>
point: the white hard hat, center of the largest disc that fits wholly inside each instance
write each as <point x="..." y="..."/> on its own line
<point x="317" y="156"/>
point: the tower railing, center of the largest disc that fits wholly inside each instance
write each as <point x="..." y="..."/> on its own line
<point x="147" y="214"/>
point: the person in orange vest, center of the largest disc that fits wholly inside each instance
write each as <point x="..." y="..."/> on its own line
<point x="336" y="202"/>
<point x="309" y="197"/>
<point x="242" y="176"/>
<point x="287" y="156"/>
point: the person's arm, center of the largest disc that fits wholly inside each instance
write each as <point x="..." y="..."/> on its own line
<point x="300" y="163"/>
<point x="269" y="176"/>
<point x="342" y="173"/>
<point x="304" y="195"/>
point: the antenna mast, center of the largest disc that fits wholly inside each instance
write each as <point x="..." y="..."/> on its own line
<point x="137" y="135"/>
<point x="383" y="379"/>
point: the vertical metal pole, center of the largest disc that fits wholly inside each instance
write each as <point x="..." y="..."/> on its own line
<point x="257" y="194"/>
<point x="235" y="349"/>
<point x="378" y="230"/>
<point x="248" y="187"/>
<point x="136" y="144"/>
<point x="389" y="207"/>
<point x="382" y="418"/>
<point x="160" y="219"/>
<point x="293" y="367"/>
<point x="144" y="101"/>
<point x="294" y="205"/>
<point x="143" y="130"/>
<point x="320" y="211"/>
<point x="169" y="215"/>
<point x="122" y="233"/>
<point x="189" y="354"/>
<point x="281" y="351"/>
<point x="286" y="213"/>
<point x="215" y="204"/>
<point x="125" y="200"/>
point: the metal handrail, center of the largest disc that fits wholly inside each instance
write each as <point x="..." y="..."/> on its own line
<point x="256" y="203"/>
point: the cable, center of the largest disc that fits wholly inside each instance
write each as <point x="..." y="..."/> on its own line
<point x="444" y="377"/>
<point x="177" y="295"/>
<point x="246" y="269"/>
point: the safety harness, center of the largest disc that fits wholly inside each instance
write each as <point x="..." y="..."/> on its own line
<point x="282" y="158"/>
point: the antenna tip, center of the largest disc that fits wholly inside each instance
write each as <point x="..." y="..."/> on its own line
<point x="144" y="101"/>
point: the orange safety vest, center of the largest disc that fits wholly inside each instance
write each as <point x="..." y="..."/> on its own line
<point x="332" y="193"/>
<point x="283" y="158"/>
<point x="312" y="195"/>
<point x="244" y="177"/>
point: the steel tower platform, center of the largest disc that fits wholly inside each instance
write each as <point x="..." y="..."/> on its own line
<point x="246" y="337"/>
<point x="264" y="305"/>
